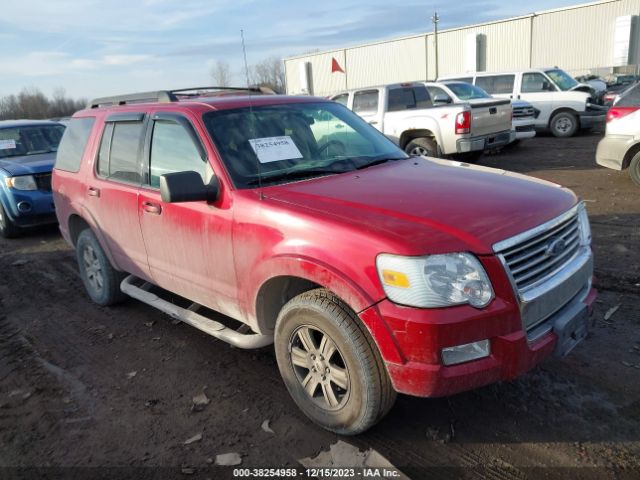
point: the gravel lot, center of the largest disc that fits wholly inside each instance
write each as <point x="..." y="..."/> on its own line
<point x="69" y="396"/>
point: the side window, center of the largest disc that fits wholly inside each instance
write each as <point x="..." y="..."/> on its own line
<point x="173" y="150"/>
<point x="120" y="151"/>
<point x="365" y="101"/>
<point x="342" y="99"/>
<point x="439" y="95"/>
<point x="408" y="98"/>
<point x="536" y="82"/>
<point x="496" y="84"/>
<point x="73" y="143"/>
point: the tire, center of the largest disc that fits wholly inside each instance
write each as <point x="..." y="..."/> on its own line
<point x="350" y="388"/>
<point x="634" y="168"/>
<point x="423" y="146"/>
<point x="7" y="228"/>
<point x="564" y="124"/>
<point x="100" y="279"/>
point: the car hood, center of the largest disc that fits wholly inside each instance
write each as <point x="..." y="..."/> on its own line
<point x="28" y="164"/>
<point x="430" y="205"/>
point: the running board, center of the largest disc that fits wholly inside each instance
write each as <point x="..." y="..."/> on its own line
<point x="189" y="315"/>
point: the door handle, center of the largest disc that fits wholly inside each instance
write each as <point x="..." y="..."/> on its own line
<point x="373" y="122"/>
<point x="93" y="192"/>
<point x="152" y="208"/>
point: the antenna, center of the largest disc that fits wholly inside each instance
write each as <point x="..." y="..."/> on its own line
<point x="251" y="117"/>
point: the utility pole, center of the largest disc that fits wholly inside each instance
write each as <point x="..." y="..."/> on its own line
<point x="435" y="19"/>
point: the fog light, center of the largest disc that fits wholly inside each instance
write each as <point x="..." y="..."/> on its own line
<point x="466" y="352"/>
<point x="24" y="207"/>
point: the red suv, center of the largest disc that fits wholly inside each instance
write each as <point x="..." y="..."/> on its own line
<point x="371" y="272"/>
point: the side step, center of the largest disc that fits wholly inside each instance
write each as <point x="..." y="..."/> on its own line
<point x="188" y="315"/>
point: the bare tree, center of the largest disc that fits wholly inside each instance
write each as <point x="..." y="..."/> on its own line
<point x="269" y="73"/>
<point x="31" y="103"/>
<point x="221" y="74"/>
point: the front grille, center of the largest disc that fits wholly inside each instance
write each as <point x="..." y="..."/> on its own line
<point x="536" y="258"/>
<point x="43" y="181"/>
<point x="522" y="112"/>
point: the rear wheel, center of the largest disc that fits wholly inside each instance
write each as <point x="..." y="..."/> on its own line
<point x="423" y="146"/>
<point x="7" y="227"/>
<point x="634" y="168"/>
<point x="330" y="365"/>
<point x="100" y="279"/>
<point x="564" y="124"/>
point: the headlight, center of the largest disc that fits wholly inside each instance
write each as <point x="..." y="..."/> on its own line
<point x="585" y="228"/>
<point x="434" y="280"/>
<point x="23" y="182"/>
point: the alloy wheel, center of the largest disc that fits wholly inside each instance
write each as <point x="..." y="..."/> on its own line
<point x="319" y="367"/>
<point x="93" y="269"/>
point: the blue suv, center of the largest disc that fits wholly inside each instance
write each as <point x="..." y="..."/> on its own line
<point x="27" y="153"/>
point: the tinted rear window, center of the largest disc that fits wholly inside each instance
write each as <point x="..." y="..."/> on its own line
<point x="408" y="98"/>
<point x="73" y="143"/>
<point x="496" y="84"/>
<point x="631" y="98"/>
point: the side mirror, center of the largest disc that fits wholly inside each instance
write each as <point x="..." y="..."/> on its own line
<point x="441" y="99"/>
<point x="187" y="187"/>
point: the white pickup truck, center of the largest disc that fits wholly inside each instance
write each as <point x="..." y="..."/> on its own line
<point x="406" y="114"/>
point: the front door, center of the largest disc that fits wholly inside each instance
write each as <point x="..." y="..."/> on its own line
<point x="540" y="92"/>
<point x="188" y="244"/>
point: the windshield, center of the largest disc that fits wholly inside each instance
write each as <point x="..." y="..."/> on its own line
<point x="29" y="140"/>
<point x="562" y="79"/>
<point x="290" y="142"/>
<point x="466" y="91"/>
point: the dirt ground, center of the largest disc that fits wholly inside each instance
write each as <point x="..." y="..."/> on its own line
<point x="69" y="396"/>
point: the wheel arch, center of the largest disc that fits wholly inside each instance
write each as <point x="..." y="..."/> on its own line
<point x="409" y="135"/>
<point x="626" y="161"/>
<point x="563" y="110"/>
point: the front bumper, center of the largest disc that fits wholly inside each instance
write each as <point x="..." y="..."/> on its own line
<point x="30" y="208"/>
<point x="421" y="334"/>
<point x="612" y="149"/>
<point x="484" y="142"/>
<point x="593" y="117"/>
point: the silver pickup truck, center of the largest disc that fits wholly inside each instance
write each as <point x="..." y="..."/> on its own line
<point x="406" y="114"/>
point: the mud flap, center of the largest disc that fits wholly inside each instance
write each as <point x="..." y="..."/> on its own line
<point x="571" y="329"/>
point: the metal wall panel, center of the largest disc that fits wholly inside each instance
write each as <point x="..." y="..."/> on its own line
<point x="323" y="81"/>
<point x="389" y="62"/>
<point x="579" y="38"/>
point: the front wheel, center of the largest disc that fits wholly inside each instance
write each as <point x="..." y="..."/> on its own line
<point x="634" y="168"/>
<point x="564" y="124"/>
<point x="7" y="227"/>
<point x="330" y="365"/>
<point x="100" y="279"/>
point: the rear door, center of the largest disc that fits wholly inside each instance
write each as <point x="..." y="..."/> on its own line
<point x="112" y="191"/>
<point x="188" y="244"/>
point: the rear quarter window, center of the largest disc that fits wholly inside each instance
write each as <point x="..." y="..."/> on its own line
<point x="73" y="143"/>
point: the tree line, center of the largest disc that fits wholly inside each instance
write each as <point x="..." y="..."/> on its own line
<point x="31" y="103"/>
<point x="268" y="73"/>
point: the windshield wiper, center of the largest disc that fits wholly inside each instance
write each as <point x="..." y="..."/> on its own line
<point x="379" y="161"/>
<point x="294" y="175"/>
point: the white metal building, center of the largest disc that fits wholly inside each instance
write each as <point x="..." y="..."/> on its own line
<point x="600" y="37"/>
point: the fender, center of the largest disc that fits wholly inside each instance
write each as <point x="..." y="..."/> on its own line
<point x="85" y="214"/>
<point x="333" y="280"/>
<point x="416" y="122"/>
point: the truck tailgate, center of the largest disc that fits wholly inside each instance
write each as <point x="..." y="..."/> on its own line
<point x="490" y="116"/>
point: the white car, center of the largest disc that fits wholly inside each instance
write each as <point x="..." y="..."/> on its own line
<point x="565" y="105"/>
<point x="523" y="120"/>
<point x="620" y="147"/>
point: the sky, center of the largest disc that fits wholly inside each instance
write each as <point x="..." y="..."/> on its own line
<point x="94" y="48"/>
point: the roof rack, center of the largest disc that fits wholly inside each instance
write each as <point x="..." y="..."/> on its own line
<point x="168" y="96"/>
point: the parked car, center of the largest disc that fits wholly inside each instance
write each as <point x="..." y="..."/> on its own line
<point x="620" y="147"/>
<point x="372" y="272"/>
<point x="406" y="114"/>
<point x="565" y="105"/>
<point x="614" y="91"/>
<point x="27" y="152"/>
<point x="523" y="118"/>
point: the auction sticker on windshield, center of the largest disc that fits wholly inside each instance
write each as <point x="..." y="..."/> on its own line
<point x="274" y="149"/>
<point x="7" y="144"/>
